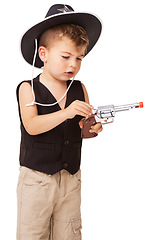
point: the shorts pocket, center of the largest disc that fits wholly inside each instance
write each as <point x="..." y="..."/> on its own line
<point x="34" y="178"/>
<point x="76" y="226"/>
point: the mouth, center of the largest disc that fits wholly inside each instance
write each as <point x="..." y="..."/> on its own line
<point x="69" y="74"/>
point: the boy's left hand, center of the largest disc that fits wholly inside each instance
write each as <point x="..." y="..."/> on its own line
<point x="97" y="128"/>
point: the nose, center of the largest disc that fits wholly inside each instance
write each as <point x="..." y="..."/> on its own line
<point x="72" y="63"/>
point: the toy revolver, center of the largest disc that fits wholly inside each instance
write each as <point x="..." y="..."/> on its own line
<point x="105" y="114"/>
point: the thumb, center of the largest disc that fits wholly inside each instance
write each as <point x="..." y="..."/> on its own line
<point x="81" y="123"/>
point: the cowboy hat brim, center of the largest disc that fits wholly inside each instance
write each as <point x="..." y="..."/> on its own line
<point x="88" y="21"/>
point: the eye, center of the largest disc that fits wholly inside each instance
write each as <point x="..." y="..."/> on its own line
<point x="65" y="57"/>
<point x="79" y="59"/>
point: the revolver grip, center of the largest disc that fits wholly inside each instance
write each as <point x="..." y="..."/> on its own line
<point x="87" y="123"/>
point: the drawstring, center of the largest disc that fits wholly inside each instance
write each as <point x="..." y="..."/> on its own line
<point x="37" y="103"/>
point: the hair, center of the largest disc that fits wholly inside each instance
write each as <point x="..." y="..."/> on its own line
<point x="74" y="32"/>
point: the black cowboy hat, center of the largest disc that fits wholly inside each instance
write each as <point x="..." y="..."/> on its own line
<point x="59" y="14"/>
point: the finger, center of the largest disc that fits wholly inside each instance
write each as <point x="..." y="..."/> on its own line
<point x="85" y="106"/>
<point x="100" y="130"/>
<point x="84" y="110"/>
<point x="97" y="128"/>
<point x="96" y="131"/>
<point x="81" y="113"/>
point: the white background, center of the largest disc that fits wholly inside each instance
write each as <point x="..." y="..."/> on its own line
<point x="120" y="168"/>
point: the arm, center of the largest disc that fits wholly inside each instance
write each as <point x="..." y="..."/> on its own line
<point x="86" y="97"/>
<point x="36" y="124"/>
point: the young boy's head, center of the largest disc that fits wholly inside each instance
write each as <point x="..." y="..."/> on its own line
<point x="62" y="48"/>
<point x="61" y="21"/>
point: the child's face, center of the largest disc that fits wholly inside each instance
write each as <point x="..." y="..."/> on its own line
<point x="63" y="59"/>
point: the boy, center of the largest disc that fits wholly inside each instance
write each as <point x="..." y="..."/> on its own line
<point x="49" y="183"/>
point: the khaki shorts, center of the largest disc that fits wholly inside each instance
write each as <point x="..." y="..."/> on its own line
<point x="48" y="205"/>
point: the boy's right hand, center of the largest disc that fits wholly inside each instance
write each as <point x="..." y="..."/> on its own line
<point x="79" y="108"/>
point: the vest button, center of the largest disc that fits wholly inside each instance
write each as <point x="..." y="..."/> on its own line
<point x="66" y="142"/>
<point x="65" y="165"/>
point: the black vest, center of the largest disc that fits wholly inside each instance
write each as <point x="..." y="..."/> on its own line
<point x="59" y="148"/>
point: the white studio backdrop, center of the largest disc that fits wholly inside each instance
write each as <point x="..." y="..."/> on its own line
<point x="121" y="167"/>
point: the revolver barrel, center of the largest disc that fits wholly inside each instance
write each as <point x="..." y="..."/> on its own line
<point x="109" y="111"/>
<point x="128" y="107"/>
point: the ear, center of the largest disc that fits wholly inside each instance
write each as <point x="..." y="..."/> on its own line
<point x="42" y="53"/>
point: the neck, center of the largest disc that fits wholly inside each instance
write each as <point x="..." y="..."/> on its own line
<point x="47" y="79"/>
